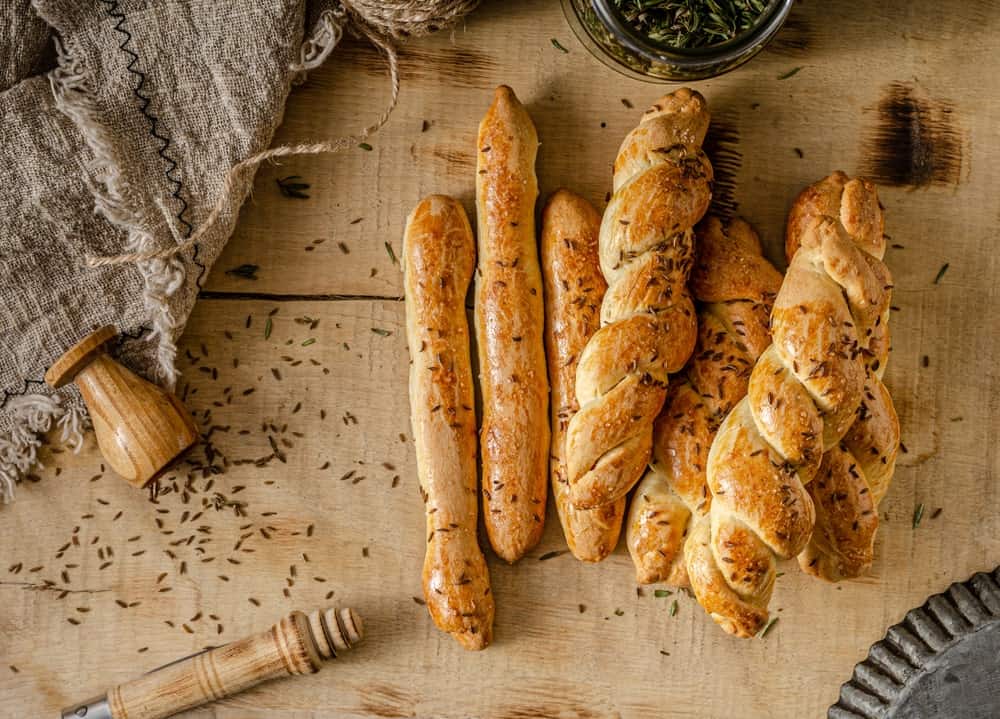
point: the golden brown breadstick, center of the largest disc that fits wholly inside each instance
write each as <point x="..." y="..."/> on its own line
<point x="509" y="315"/>
<point x="574" y="288"/>
<point x="438" y="259"/>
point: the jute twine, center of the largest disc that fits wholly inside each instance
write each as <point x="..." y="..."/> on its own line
<point x="382" y="22"/>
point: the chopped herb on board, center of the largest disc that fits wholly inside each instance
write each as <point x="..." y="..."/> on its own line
<point x="918" y="514"/>
<point x="381" y="332"/>
<point x="786" y="75"/>
<point x="660" y="593"/>
<point x="940" y="274"/>
<point x="767" y="627"/>
<point x="365" y="146"/>
<point x="558" y="46"/>
<point x="389" y="251"/>
<point x="291" y="187"/>
<point x="246" y="272"/>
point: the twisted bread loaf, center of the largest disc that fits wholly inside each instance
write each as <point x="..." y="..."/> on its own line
<point x="855" y="473"/>
<point x="573" y="291"/>
<point x="735" y="287"/>
<point x="662" y="187"/>
<point x="803" y="397"/>
<point x="438" y="257"/>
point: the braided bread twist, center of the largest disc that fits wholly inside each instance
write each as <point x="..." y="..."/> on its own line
<point x="735" y="288"/>
<point x="803" y="397"/>
<point x="855" y="473"/>
<point x="662" y="187"/>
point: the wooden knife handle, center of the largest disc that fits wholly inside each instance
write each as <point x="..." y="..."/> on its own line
<point x="296" y="645"/>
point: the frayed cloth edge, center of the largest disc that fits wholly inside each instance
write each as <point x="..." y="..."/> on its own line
<point x="34" y="415"/>
<point x="112" y="199"/>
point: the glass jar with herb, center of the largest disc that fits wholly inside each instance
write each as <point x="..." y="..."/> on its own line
<point x="675" y="40"/>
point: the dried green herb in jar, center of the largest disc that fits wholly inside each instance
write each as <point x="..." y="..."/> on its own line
<point x="691" y="23"/>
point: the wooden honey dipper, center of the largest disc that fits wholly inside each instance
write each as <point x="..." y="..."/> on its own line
<point x="140" y="428"/>
<point x="298" y="644"/>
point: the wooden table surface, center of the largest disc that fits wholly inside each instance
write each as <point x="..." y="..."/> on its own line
<point x="901" y="90"/>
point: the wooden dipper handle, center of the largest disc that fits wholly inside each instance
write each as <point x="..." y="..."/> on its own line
<point x="140" y="428"/>
<point x="297" y="644"/>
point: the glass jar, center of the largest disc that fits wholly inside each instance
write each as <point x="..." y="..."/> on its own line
<point x="604" y="32"/>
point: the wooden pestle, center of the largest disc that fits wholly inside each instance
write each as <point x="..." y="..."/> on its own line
<point x="298" y="644"/>
<point x="140" y="428"/>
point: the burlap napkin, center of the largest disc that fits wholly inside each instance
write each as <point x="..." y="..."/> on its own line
<point x="122" y="147"/>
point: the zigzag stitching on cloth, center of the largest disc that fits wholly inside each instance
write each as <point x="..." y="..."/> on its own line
<point x="112" y="7"/>
<point x="123" y="337"/>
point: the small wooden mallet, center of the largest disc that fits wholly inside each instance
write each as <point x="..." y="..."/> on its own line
<point x="141" y="428"/>
<point x="298" y="644"/>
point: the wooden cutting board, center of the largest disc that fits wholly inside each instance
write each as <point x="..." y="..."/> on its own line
<point x="906" y="91"/>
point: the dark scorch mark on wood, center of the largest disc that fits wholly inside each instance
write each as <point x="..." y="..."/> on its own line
<point x="795" y="37"/>
<point x="721" y="146"/>
<point x="917" y="142"/>
<point x="458" y="66"/>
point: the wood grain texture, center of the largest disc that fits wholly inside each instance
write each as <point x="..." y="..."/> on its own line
<point x="543" y="661"/>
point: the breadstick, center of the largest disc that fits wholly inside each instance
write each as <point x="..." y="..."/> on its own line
<point x="662" y="187"/>
<point x="735" y="288"/>
<point x="515" y="431"/>
<point x="438" y="259"/>
<point x="574" y="287"/>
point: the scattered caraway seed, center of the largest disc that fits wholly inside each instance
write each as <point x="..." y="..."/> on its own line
<point x="419" y="601"/>
<point x="798" y="151"/>
<point x="14" y="669"/>
<point x="937" y="513"/>
<point x="790" y="73"/>
<point x="552" y="555"/>
<point x="389" y="251"/>
<point x="364" y="551"/>
<point x="267" y="328"/>
<point x="661" y="593"/>
<point x="619" y="612"/>
<point x="918" y="514"/>
<point x="381" y="332"/>
<point x="344" y="248"/>
<point x="425" y="126"/>
<point x="143" y="649"/>
<point x="673" y="608"/>
<point x="253" y="601"/>
<point x="246" y="272"/>
<point x="627" y="103"/>
<point x="767" y="627"/>
<point x="365" y="146"/>
<point x="940" y="274"/>
<point x="292" y="187"/>
<point x="581" y="608"/>
<point x="558" y="46"/>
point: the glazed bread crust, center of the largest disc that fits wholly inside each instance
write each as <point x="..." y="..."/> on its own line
<point x="574" y="288"/>
<point x="662" y="188"/>
<point x="438" y="259"/>
<point x="735" y="287"/>
<point x="854" y="474"/>
<point x="509" y="315"/>
<point x="804" y="395"/>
